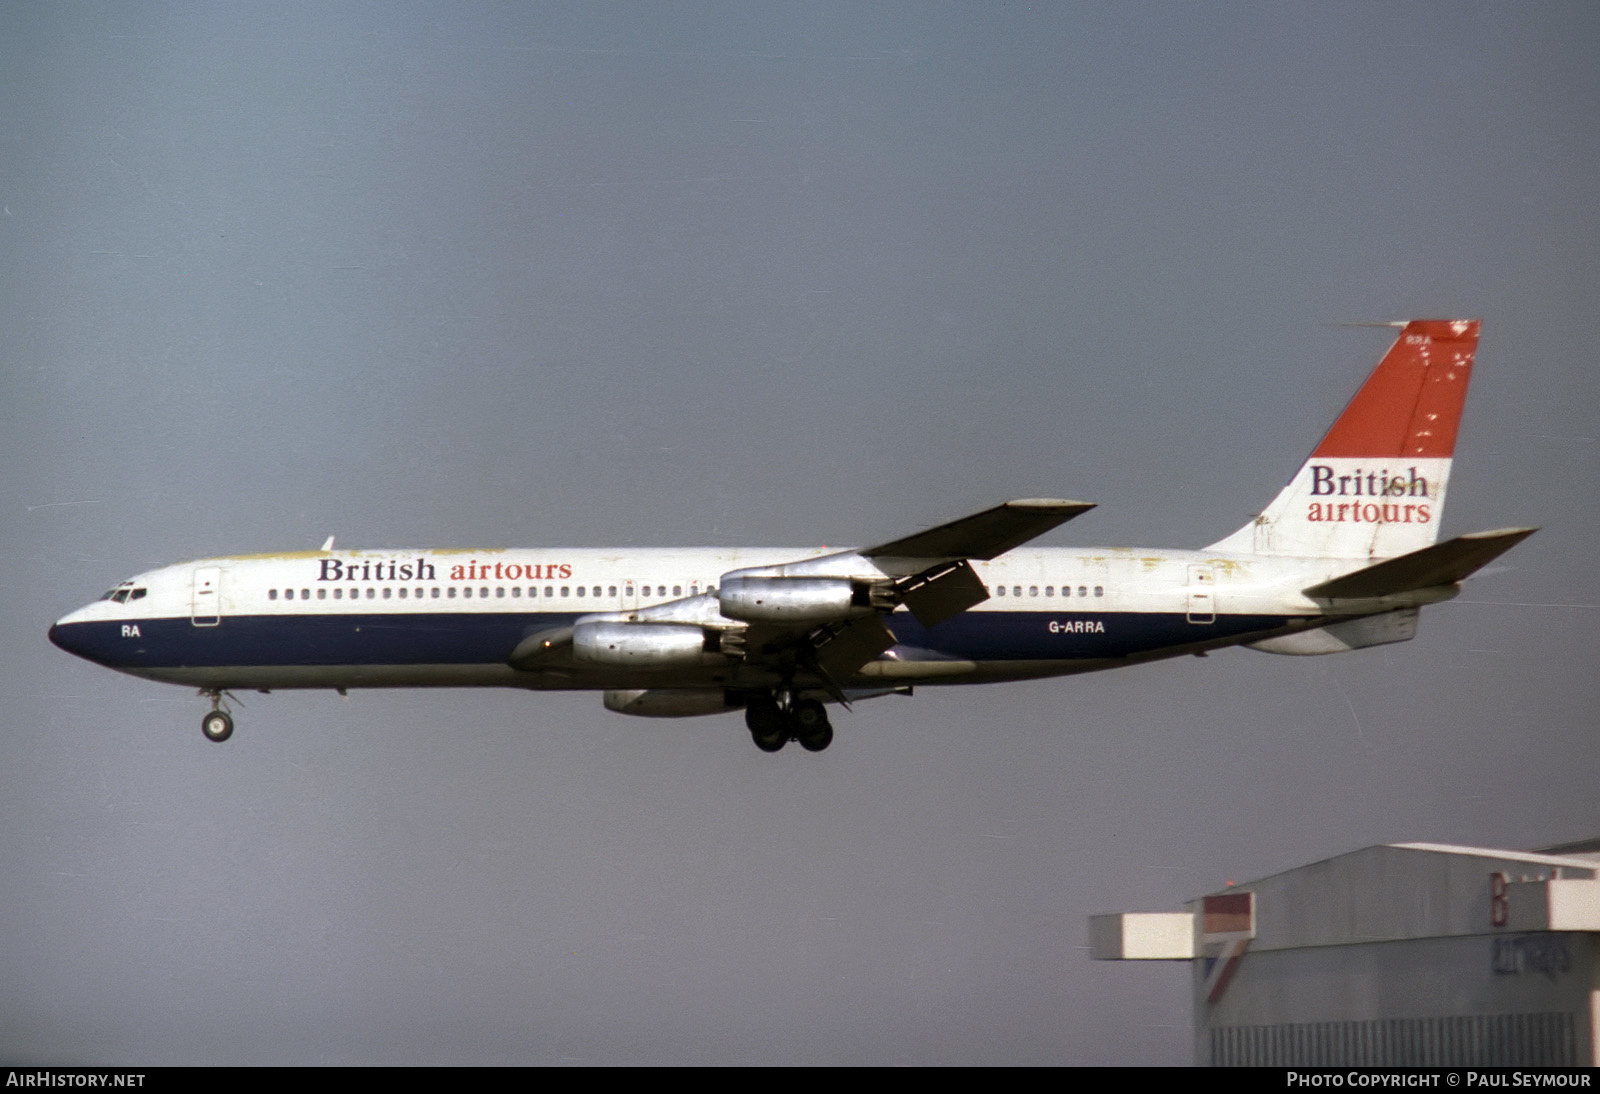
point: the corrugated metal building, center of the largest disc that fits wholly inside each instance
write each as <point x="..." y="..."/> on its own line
<point x="1403" y="954"/>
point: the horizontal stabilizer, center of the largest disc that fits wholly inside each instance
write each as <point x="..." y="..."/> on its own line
<point x="1442" y="564"/>
<point x="985" y="535"/>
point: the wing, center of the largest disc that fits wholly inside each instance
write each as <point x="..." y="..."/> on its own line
<point x="837" y="604"/>
<point x="937" y="581"/>
<point x="817" y="619"/>
<point x="984" y="535"/>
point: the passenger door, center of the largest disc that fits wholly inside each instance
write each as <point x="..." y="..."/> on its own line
<point x="205" y="609"/>
<point x="1202" y="594"/>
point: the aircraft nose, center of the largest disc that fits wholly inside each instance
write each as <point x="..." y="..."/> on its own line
<point x="75" y="638"/>
<point x="61" y="636"/>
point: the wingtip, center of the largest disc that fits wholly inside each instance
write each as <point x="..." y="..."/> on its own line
<point x="1503" y="533"/>
<point x="1050" y="503"/>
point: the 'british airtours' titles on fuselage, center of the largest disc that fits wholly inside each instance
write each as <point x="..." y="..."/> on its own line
<point x="333" y="569"/>
<point x="1326" y="481"/>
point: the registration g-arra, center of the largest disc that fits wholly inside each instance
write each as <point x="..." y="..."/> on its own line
<point x="1343" y="558"/>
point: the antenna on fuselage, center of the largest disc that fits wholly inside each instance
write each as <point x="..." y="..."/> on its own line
<point x="327" y="544"/>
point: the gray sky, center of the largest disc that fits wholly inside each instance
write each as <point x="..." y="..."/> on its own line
<point x="488" y="274"/>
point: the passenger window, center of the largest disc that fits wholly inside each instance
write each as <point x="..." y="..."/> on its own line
<point x="371" y="593"/>
<point x="581" y="590"/>
<point x="627" y="590"/>
<point x="419" y="593"/>
<point x="499" y="591"/>
<point x="999" y="590"/>
<point x="566" y="591"/>
<point x="1033" y="590"/>
<point x="1049" y="590"/>
<point x="272" y="594"/>
<point x="338" y="594"/>
<point x="467" y="592"/>
<point x="452" y="592"/>
<point x="549" y="590"/>
<point x="436" y="592"/>
<point x="1016" y="590"/>
<point x="611" y="590"/>
<point x="483" y="592"/>
<point x="677" y="590"/>
<point x="1099" y="590"/>
<point x="516" y="590"/>
<point x="387" y="592"/>
<point x="402" y="592"/>
<point x="322" y="594"/>
<point x="694" y="590"/>
<point x="1083" y="590"/>
<point x="661" y="590"/>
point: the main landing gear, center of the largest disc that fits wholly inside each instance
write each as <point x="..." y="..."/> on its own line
<point x="217" y="725"/>
<point x="775" y="720"/>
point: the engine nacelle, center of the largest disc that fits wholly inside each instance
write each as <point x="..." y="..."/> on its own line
<point x="645" y="645"/>
<point x="798" y="599"/>
<point x="670" y="702"/>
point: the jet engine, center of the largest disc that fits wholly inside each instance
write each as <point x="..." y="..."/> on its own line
<point x="800" y="599"/>
<point x="645" y="645"/>
<point x="669" y="702"/>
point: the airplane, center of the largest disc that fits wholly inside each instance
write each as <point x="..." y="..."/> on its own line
<point x="1343" y="558"/>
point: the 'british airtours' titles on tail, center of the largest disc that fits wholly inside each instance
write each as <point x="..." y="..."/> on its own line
<point x="1326" y="481"/>
<point x="421" y="569"/>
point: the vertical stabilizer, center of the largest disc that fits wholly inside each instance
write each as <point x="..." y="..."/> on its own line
<point x="1375" y="486"/>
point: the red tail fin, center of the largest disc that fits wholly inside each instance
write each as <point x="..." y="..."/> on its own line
<point x="1375" y="486"/>
<point x="1411" y="404"/>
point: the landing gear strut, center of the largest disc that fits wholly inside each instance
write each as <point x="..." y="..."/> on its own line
<point x="775" y="720"/>
<point x="218" y="724"/>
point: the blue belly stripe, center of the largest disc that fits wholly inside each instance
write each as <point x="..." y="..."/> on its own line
<point x="489" y="637"/>
<point x="1026" y="636"/>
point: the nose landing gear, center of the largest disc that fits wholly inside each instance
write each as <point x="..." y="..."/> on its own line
<point x="775" y="720"/>
<point x="218" y="724"/>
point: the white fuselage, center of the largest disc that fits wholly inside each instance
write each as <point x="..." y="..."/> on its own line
<point x="431" y="617"/>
